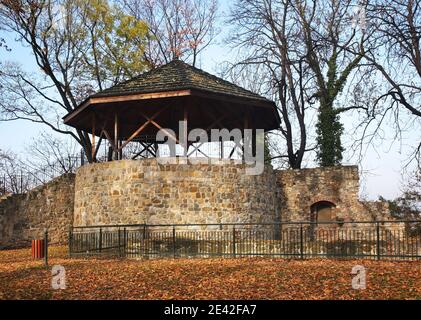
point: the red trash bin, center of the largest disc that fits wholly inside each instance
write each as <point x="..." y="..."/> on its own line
<point x="38" y="249"/>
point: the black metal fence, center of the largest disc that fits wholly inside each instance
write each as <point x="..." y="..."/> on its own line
<point x="369" y="240"/>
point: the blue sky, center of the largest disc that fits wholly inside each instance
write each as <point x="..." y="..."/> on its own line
<point x="381" y="172"/>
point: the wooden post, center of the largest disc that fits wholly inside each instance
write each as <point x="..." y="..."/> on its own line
<point x="116" y="144"/>
<point x="246" y="126"/>
<point x="93" y="138"/>
<point x="120" y="148"/>
<point x="253" y="136"/>
<point x="185" y="132"/>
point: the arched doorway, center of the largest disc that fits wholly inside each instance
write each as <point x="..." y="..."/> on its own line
<point x="322" y="211"/>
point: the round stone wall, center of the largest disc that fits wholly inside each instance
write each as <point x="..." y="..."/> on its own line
<point x="144" y="191"/>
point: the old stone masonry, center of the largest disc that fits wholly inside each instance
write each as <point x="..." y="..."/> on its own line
<point x="137" y="192"/>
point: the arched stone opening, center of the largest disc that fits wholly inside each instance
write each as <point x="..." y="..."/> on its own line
<point x="322" y="211"/>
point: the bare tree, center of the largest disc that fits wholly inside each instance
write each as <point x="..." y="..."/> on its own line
<point x="334" y="49"/>
<point x="179" y="28"/>
<point x="12" y="179"/>
<point x="267" y="37"/>
<point x="395" y="54"/>
<point x="397" y="24"/>
<point x="78" y="47"/>
<point x="46" y="158"/>
<point x="310" y="50"/>
<point x="51" y="154"/>
<point x="408" y="205"/>
<point x="3" y="44"/>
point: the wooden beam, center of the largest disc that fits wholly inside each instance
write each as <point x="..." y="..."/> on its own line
<point x="134" y="135"/>
<point x="142" y="127"/>
<point x="165" y="131"/>
<point x="234" y="99"/>
<point x="98" y="146"/>
<point x="143" y="96"/>
<point x="246" y="126"/>
<point x="116" y="136"/>
<point x="125" y="98"/>
<point x="93" y="138"/>
<point x="158" y="126"/>
<point x="120" y="149"/>
<point x="185" y="131"/>
<point x="207" y="130"/>
<point x="216" y="120"/>
<point x="107" y="135"/>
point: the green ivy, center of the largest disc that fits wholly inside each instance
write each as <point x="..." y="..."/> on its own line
<point x="329" y="131"/>
<point x="268" y="155"/>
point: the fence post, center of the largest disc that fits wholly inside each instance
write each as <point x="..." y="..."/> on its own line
<point x="378" y="240"/>
<point x="46" y="247"/>
<point x="70" y="240"/>
<point x="100" y="239"/>
<point x="234" y="253"/>
<point x="301" y="241"/>
<point x="119" y="243"/>
<point x="173" y="241"/>
<point x="124" y="242"/>
<point x="144" y="240"/>
<point x="221" y="243"/>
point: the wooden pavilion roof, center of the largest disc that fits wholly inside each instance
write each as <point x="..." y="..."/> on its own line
<point x="178" y="75"/>
<point x="211" y="102"/>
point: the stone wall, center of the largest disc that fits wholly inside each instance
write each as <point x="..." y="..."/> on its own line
<point x="300" y="189"/>
<point x="135" y="192"/>
<point x="24" y="217"/>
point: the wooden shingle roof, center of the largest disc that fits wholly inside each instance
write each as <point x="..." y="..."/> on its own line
<point x="178" y="75"/>
<point x="171" y="91"/>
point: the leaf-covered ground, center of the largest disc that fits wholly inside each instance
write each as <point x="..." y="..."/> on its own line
<point x="255" y="278"/>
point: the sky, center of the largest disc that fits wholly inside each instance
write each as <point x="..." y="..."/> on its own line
<point x="380" y="169"/>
